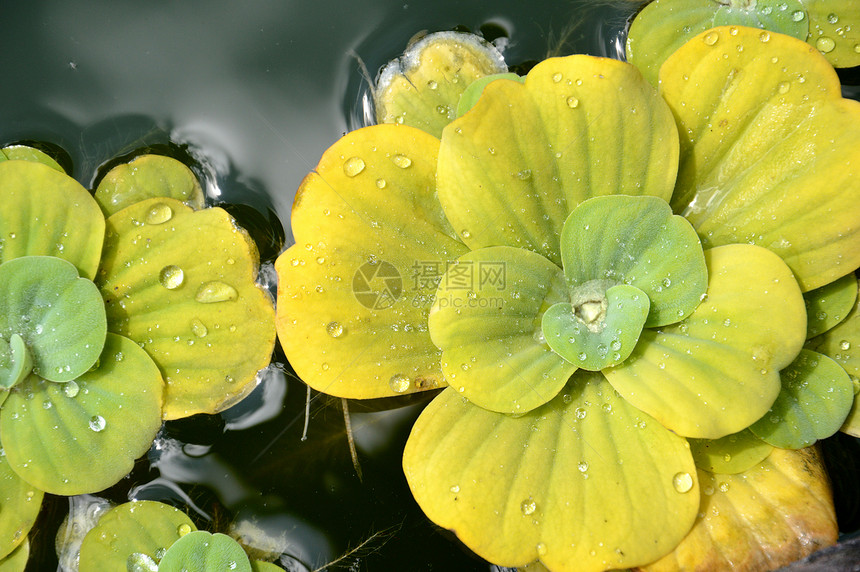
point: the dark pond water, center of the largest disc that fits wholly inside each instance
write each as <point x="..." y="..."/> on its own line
<point x="251" y="93"/>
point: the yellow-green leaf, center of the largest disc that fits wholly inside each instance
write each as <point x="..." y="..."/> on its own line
<point x="770" y="152"/>
<point x="717" y="372"/>
<point x="19" y="504"/>
<point x="769" y="516"/>
<point x="536" y="487"/>
<point x="731" y="454"/>
<point x="25" y="153"/>
<point x="834" y="30"/>
<point x="137" y="532"/>
<point x="489" y="331"/>
<point x="661" y="28"/>
<point x="422" y="88"/>
<point x="513" y="168"/>
<point x="83" y="436"/>
<point x="47" y="213"/>
<point x="182" y="285"/>
<point x="842" y="342"/>
<point x="146" y="177"/>
<point x="16" y="561"/>
<point x="372" y="244"/>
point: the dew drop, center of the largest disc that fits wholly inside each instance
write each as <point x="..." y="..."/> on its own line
<point x="582" y="466"/>
<point x="183" y="529"/>
<point x="97" y="423"/>
<point x="199" y="328"/>
<point x="171" y="277"/>
<point x="159" y="213"/>
<point x="528" y="506"/>
<point x="683" y="482"/>
<point x="380" y="183"/>
<point x="353" y="166"/>
<point x="465" y="233"/>
<point x="580" y="413"/>
<point x="825" y="44"/>
<point x="798" y="15"/>
<point x="432" y="84"/>
<point x="572" y="102"/>
<point x="139" y="562"/>
<point x="764" y="36"/>
<point x="71" y="389"/>
<point x="711" y="38"/>
<point x="401" y="161"/>
<point x="524" y="175"/>
<point x="832" y="18"/>
<point x="335" y="329"/>
<point x="455" y="489"/>
<point x="845" y="345"/>
<point x="399" y="383"/>
<point x="783" y="87"/>
<point x="215" y="291"/>
<point x="556" y="77"/>
<point x="541" y="549"/>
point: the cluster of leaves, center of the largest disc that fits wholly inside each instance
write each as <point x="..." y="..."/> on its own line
<point x="119" y="309"/>
<point x="148" y="536"/>
<point x="612" y="281"/>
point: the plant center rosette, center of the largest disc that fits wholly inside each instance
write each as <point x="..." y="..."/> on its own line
<point x="597" y="292"/>
<point x="97" y="345"/>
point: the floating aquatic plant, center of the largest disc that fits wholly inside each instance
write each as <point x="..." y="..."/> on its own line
<point x="612" y="294"/>
<point x="148" y="536"/>
<point x="107" y="326"/>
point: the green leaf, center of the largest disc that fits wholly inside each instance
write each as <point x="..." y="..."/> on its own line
<point x="59" y="317"/>
<point x="842" y="342"/>
<point x="834" y="30"/>
<point x="422" y="87"/>
<point x="56" y="436"/>
<point x="16" y="362"/>
<point x="372" y="244"/>
<point x="637" y="241"/>
<point x="470" y="97"/>
<point x="774" y="161"/>
<point x="519" y="489"/>
<point x="25" y="153"/>
<point x="146" y="177"/>
<point x="182" y="285"/>
<point x="717" y="372"/>
<point x="830" y="304"/>
<point x="815" y="399"/>
<point x="204" y="552"/>
<point x="137" y="532"/>
<point x="604" y="341"/>
<point x="783" y="16"/>
<point x="48" y="213"/>
<point x="730" y="454"/>
<point x="851" y="426"/>
<point x="512" y="169"/>
<point x="486" y="319"/>
<point x="769" y="516"/>
<point x="19" y="505"/>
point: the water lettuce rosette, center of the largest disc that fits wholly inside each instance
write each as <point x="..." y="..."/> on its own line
<point x="609" y="280"/>
<point x="109" y="325"/>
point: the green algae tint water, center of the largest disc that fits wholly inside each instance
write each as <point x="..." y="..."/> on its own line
<point x="250" y="94"/>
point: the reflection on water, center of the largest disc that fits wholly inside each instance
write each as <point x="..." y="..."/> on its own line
<point x="250" y="94"/>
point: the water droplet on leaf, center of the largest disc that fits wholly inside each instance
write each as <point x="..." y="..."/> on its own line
<point x="399" y="383"/>
<point x="215" y="291"/>
<point x="335" y="329"/>
<point x="683" y="482"/>
<point x="171" y="277"/>
<point x="159" y="214"/>
<point x="353" y="166"/>
<point x="97" y="423"/>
